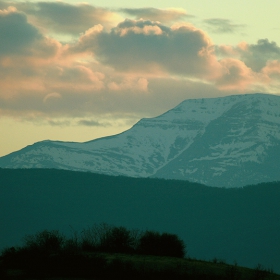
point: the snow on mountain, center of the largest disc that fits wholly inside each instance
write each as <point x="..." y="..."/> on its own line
<point x="229" y="141"/>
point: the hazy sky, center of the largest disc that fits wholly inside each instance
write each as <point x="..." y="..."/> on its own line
<point x="75" y="71"/>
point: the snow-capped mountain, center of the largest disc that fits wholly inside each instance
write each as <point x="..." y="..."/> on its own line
<point x="229" y="141"/>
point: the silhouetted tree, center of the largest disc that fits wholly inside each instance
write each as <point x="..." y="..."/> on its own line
<point x="118" y="240"/>
<point x="108" y="238"/>
<point x="154" y="243"/>
<point x="48" y="241"/>
<point x="172" y="246"/>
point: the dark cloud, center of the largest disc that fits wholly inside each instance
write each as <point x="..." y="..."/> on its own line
<point x="16" y="34"/>
<point x="257" y="55"/>
<point x="162" y="15"/>
<point x="143" y="45"/>
<point x="64" y="18"/>
<point x="220" y="25"/>
<point x="92" y="123"/>
<point x="59" y="123"/>
<point x="21" y="39"/>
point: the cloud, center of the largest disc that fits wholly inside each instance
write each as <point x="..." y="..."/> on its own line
<point x="59" y="123"/>
<point x="129" y="83"/>
<point x="16" y="34"/>
<point x="257" y="55"/>
<point x="120" y="72"/>
<point x="149" y="46"/>
<point x="92" y="123"/>
<point x="19" y="38"/>
<point x="24" y="55"/>
<point x="220" y="25"/>
<point x="153" y="14"/>
<point x="64" y="18"/>
<point x="78" y="102"/>
<point x="52" y="96"/>
<point x="236" y="75"/>
<point x="272" y="71"/>
<point x="71" y="77"/>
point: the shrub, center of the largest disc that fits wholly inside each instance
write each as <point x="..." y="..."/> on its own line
<point x="172" y="246"/>
<point x="92" y="238"/>
<point x="260" y="273"/>
<point x="118" y="240"/>
<point x="108" y="238"/>
<point x="154" y="243"/>
<point x="45" y="241"/>
<point x="149" y="243"/>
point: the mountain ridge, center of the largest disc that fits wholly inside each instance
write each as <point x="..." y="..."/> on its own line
<point x="227" y="142"/>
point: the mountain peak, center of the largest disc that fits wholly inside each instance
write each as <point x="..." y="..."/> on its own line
<point x="226" y="141"/>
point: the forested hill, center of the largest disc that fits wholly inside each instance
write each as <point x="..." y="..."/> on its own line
<point x="231" y="224"/>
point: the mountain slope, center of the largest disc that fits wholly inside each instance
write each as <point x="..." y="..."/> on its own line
<point x="229" y="141"/>
<point x="240" y="147"/>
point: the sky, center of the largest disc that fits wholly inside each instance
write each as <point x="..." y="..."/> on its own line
<point x="77" y="71"/>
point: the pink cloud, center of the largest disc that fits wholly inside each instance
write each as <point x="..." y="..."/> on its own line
<point x="130" y="83"/>
<point x="236" y="75"/>
<point x="272" y="69"/>
<point x="120" y="71"/>
<point x="162" y="15"/>
<point x="77" y="78"/>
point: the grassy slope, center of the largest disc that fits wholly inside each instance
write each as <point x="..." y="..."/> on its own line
<point x="121" y="266"/>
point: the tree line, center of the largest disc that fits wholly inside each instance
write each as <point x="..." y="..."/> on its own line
<point x="103" y="238"/>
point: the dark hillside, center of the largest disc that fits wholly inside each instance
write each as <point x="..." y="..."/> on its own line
<point x="231" y="224"/>
<point x="120" y="266"/>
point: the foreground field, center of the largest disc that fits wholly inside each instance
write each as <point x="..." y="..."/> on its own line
<point x="124" y="266"/>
